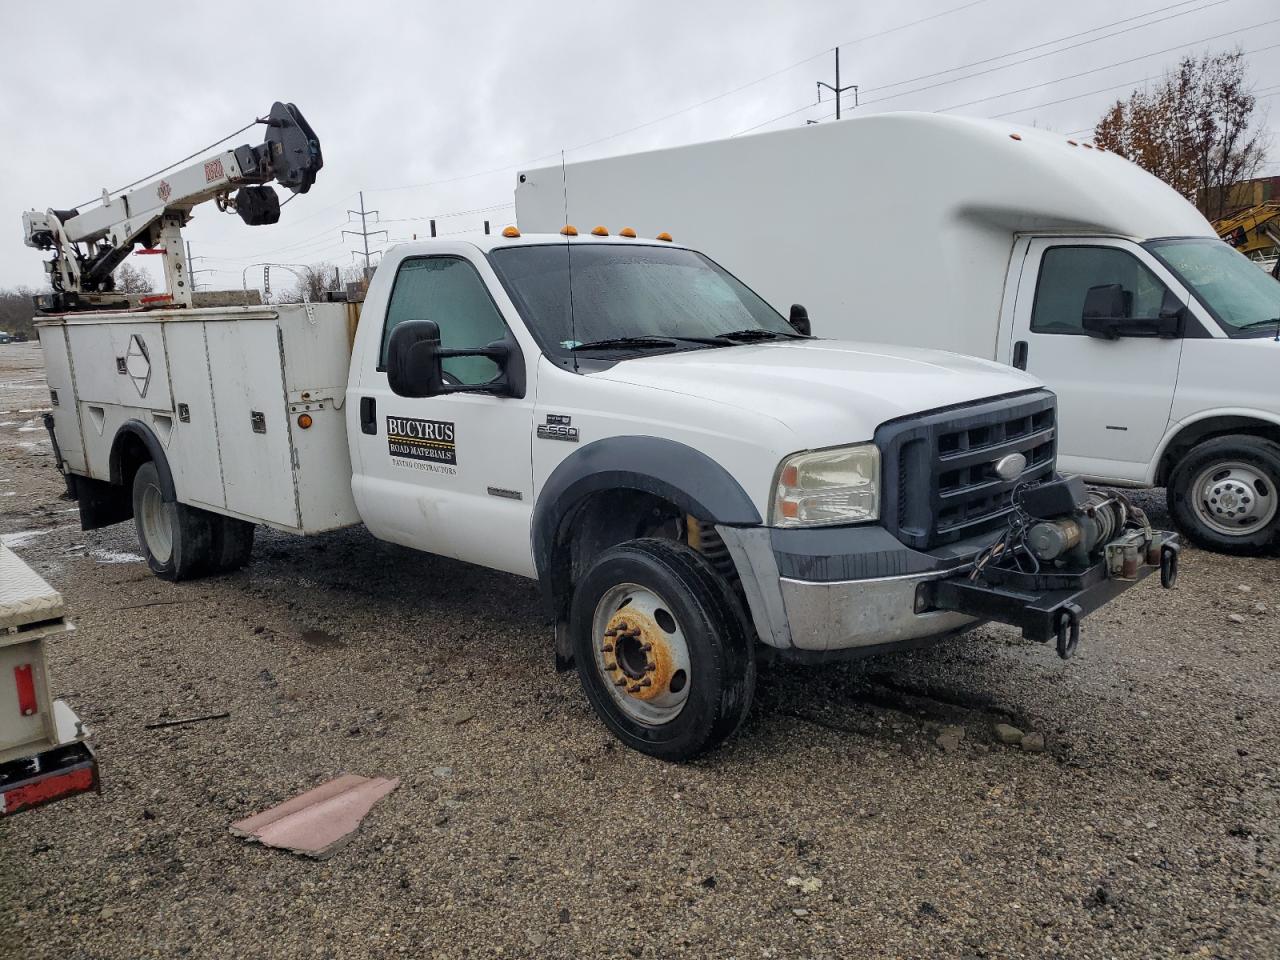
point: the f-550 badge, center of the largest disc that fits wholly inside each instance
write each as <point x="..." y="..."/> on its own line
<point x="558" y="427"/>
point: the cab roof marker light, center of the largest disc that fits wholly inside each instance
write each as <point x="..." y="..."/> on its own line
<point x="599" y="232"/>
<point x="569" y="230"/>
<point x="664" y="236"/>
<point x="510" y="232"/>
<point x="627" y="232"/>
<point x="1015" y="136"/>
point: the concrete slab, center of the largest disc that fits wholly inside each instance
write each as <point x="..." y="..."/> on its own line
<point x="319" y="822"/>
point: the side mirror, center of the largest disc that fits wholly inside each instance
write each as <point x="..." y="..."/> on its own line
<point x="414" y="367"/>
<point x="1104" y="308"/>
<point x="799" y="319"/>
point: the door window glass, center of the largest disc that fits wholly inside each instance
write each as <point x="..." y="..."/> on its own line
<point x="449" y="291"/>
<point x="1067" y="273"/>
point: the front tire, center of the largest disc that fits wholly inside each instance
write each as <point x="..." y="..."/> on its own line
<point x="662" y="649"/>
<point x="177" y="540"/>
<point x="1225" y="494"/>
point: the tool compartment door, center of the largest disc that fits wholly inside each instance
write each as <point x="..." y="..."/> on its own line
<point x="193" y="449"/>
<point x="66" y="416"/>
<point x="251" y="408"/>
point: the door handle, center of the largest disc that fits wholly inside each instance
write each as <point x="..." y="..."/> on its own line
<point x="1020" y="354"/>
<point x="368" y="415"/>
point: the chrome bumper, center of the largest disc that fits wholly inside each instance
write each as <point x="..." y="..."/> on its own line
<point x="863" y="613"/>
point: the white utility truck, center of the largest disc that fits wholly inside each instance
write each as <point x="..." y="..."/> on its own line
<point x="45" y="753"/>
<point x="690" y="479"/>
<point x="1001" y="242"/>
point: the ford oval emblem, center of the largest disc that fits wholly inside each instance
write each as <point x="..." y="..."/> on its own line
<point x="1010" y="467"/>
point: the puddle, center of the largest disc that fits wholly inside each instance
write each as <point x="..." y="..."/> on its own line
<point x="115" y="556"/>
<point x="21" y="538"/>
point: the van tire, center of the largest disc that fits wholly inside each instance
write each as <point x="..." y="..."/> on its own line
<point x="177" y="540"/>
<point x="232" y="543"/>
<point x="691" y="636"/>
<point x="1244" y="473"/>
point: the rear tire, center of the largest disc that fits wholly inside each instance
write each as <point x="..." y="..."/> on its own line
<point x="232" y="543"/>
<point x="177" y="540"/>
<point x="1225" y="494"/>
<point x="675" y="676"/>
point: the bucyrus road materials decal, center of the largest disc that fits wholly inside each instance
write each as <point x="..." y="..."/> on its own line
<point x="430" y="443"/>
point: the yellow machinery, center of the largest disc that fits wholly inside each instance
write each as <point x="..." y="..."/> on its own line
<point x="1255" y="232"/>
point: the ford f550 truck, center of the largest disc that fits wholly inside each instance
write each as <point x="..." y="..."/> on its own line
<point x="685" y="474"/>
<point x="690" y="477"/>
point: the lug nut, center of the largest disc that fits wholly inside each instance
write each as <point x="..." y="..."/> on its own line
<point x="650" y="667"/>
<point x="646" y="682"/>
<point x="607" y="648"/>
<point x="646" y="647"/>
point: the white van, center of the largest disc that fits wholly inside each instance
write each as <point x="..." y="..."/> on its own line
<point x="1000" y="242"/>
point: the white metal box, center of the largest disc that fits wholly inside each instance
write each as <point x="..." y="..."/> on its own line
<point x="224" y="391"/>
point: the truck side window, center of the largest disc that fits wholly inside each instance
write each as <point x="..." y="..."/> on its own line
<point x="1067" y="273"/>
<point x="449" y="291"/>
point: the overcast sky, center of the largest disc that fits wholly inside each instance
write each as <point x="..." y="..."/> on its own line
<point x="429" y="107"/>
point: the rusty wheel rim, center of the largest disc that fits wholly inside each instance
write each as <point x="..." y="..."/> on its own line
<point x="641" y="654"/>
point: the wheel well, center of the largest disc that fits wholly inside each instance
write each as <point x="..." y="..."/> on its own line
<point x="600" y="521"/>
<point x="1196" y="433"/>
<point x="128" y="454"/>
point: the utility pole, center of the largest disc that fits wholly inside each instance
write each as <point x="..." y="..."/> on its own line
<point x="191" y="272"/>
<point x="364" y="232"/>
<point x="837" y="89"/>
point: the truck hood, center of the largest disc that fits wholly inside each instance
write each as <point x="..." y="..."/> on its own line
<point x="827" y="392"/>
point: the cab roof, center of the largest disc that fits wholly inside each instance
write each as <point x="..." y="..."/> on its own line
<point x="496" y="241"/>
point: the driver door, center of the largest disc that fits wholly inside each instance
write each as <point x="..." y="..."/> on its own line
<point x="449" y="474"/>
<point x="1114" y="396"/>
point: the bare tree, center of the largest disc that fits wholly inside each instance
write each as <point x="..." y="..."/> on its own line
<point x="131" y="279"/>
<point x="1196" y="130"/>
<point x="316" y="279"/>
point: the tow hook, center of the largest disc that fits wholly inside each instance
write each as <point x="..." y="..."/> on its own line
<point x="1169" y="564"/>
<point x="1068" y="630"/>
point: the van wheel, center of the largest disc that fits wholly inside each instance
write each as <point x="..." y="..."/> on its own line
<point x="177" y="540"/>
<point x="662" y="649"/>
<point x="1225" y="494"/>
<point x="232" y="543"/>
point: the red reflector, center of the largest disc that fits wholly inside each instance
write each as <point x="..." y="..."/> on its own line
<point x="49" y="788"/>
<point x="146" y="250"/>
<point x="158" y="298"/>
<point x="26" y="690"/>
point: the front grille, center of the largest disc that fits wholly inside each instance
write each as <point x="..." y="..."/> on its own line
<point x="943" y="465"/>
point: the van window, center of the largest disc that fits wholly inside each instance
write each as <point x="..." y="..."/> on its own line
<point x="1067" y="273"/>
<point x="449" y="291"/>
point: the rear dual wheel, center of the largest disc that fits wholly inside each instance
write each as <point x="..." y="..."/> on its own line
<point x="662" y="649"/>
<point x="182" y="542"/>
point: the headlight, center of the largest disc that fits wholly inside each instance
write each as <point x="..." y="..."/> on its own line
<point x="828" y="486"/>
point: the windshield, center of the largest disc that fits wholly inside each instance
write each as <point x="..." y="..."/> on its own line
<point x="1240" y="295"/>
<point x="629" y="291"/>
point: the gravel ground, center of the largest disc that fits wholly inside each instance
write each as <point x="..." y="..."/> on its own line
<point x="866" y="809"/>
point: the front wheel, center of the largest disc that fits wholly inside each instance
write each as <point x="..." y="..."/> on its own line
<point x="1225" y="494"/>
<point x="662" y="649"/>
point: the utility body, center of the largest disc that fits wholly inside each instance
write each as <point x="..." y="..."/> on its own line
<point x="693" y="479"/>
<point x="1007" y="243"/>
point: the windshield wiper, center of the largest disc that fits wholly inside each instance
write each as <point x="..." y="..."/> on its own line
<point x="756" y="333"/>
<point x="1273" y="322"/>
<point x="622" y="343"/>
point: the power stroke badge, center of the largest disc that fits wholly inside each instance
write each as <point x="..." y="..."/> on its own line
<point x="429" y="442"/>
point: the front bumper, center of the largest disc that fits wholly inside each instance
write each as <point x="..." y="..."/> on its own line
<point x="859" y="589"/>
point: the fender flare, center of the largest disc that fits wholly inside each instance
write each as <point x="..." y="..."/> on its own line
<point x="149" y="440"/>
<point x="1223" y="413"/>
<point x="679" y="473"/>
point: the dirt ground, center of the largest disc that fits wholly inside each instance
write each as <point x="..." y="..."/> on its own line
<point x="836" y="824"/>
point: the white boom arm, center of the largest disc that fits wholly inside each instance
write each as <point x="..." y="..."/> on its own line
<point x="154" y="213"/>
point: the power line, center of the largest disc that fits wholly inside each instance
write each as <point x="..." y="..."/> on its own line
<point x="896" y="83"/>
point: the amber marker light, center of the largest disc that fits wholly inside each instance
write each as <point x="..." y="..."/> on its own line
<point x="664" y="236"/>
<point x="599" y="232"/>
<point x="305" y="421"/>
<point x="510" y="232"/>
<point x="569" y="230"/>
<point x="627" y="232"/>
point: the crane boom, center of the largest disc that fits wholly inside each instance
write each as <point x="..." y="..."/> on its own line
<point x="88" y="246"/>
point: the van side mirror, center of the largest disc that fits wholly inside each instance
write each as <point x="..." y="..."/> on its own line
<point x="799" y="319"/>
<point x="1108" y="315"/>
<point x="414" y="366"/>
